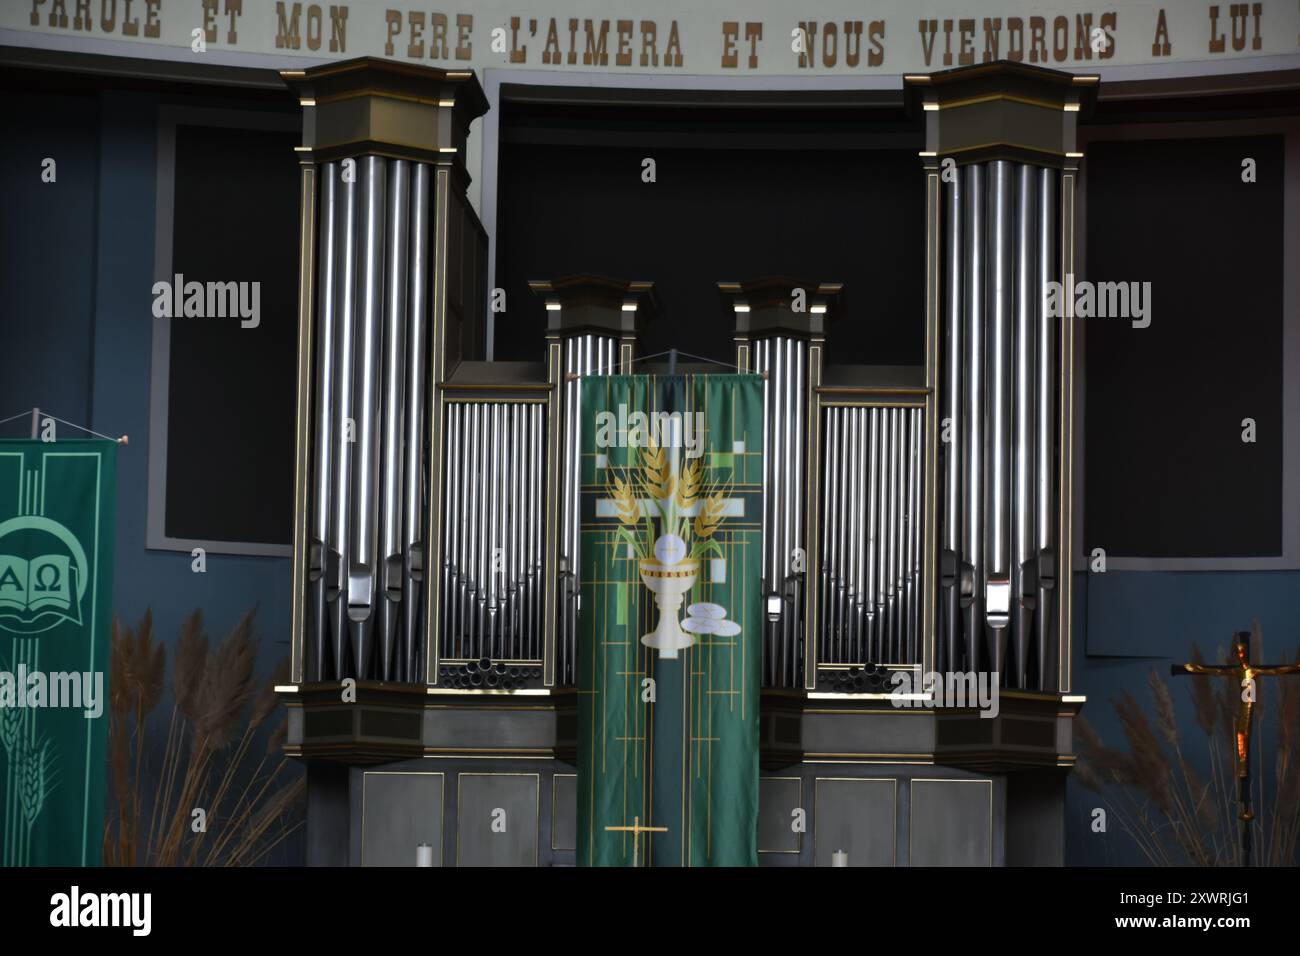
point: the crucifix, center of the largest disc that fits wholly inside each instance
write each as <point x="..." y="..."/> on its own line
<point x="636" y="830"/>
<point x="1245" y="673"/>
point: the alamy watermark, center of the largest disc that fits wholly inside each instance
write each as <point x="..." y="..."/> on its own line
<point x="652" y="429"/>
<point x="75" y="690"/>
<point x="1101" y="300"/>
<point x="208" y="300"/>
<point x="948" y="689"/>
<point x="133" y="911"/>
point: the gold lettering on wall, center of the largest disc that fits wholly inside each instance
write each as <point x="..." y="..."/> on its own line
<point x="674" y="43"/>
<point x="595" y="53"/>
<point x="1037" y="40"/>
<point x="649" y="53"/>
<point x="464" y="26"/>
<point x="1107" y="22"/>
<point x="852" y="42"/>
<point x="966" y="56"/>
<point x="992" y="33"/>
<point x="1161" y="45"/>
<point x="551" y="52"/>
<point x="1083" y="36"/>
<point x="876" y="34"/>
<point x="1216" y="42"/>
<point x="730" y="32"/>
<point x="624" y="55"/>
<point x="1015" y="39"/>
<point x="417" y="30"/>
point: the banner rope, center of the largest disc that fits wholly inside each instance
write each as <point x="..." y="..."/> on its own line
<point x="36" y="413"/>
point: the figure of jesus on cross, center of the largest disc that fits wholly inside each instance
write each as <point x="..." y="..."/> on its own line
<point x="1244" y="672"/>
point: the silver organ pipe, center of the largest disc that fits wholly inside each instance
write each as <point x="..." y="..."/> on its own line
<point x="971" y="428"/>
<point x="1024" y="515"/>
<point x="390" y="570"/>
<point x="916" y="463"/>
<point x="365" y="404"/>
<point x="322" y="563"/>
<point x="1044" y="439"/>
<point x="997" y="569"/>
<point x="414" y="483"/>
<point x="343" y="430"/>
<point x="950" y="434"/>
<point x="784" y="359"/>
<point x="998" y="561"/>
<point x="891" y="544"/>
<point x="872" y="496"/>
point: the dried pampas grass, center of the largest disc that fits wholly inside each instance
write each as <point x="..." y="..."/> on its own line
<point x="1172" y="814"/>
<point x="217" y="708"/>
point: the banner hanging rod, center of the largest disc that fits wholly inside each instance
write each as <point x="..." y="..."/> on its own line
<point x="672" y="363"/>
<point x="36" y="416"/>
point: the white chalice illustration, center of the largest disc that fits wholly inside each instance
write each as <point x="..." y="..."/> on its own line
<point x="669" y="576"/>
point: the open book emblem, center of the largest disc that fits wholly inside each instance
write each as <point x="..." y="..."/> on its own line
<point x="42" y="575"/>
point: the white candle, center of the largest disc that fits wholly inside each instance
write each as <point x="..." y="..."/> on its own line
<point x="424" y="855"/>
<point x="840" y="858"/>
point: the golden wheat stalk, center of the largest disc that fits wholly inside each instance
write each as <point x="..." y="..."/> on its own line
<point x="629" y="513"/>
<point x="657" y="476"/>
<point x="710" y="516"/>
<point x="689" y="487"/>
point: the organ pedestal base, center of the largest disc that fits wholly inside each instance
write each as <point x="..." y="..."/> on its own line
<point x="911" y="786"/>
<point x="402" y="765"/>
<point x="891" y="786"/>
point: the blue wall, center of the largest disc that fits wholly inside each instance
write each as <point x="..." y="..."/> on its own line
<point x="1129" y="622"/>
<point x="75" y="339"/>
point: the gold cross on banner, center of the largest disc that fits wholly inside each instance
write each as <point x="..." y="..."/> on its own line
<point x="636" y="830"/>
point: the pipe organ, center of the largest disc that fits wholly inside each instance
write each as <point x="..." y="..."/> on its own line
<point x="493" y="573"/>
<point x="1003" y="228"/>
<point x="913" y="522"/>
<point x="999" y="395"/>
<point x="391" y="257"/>
<point x="916" y="520"/>
<point x="871" y="534"/>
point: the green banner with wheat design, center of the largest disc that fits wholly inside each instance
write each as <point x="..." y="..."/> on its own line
<point x="57" y="507"/>
<point x="670" y="620"/>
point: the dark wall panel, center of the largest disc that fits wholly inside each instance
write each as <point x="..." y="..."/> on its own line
<point x="712" y="214"/>
<point x="1167" y="472"/>
<point x="231" y="402"/>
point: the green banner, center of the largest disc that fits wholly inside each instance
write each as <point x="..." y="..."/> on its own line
<point x="57" y="509"/>
<point x="671" y="619"/>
